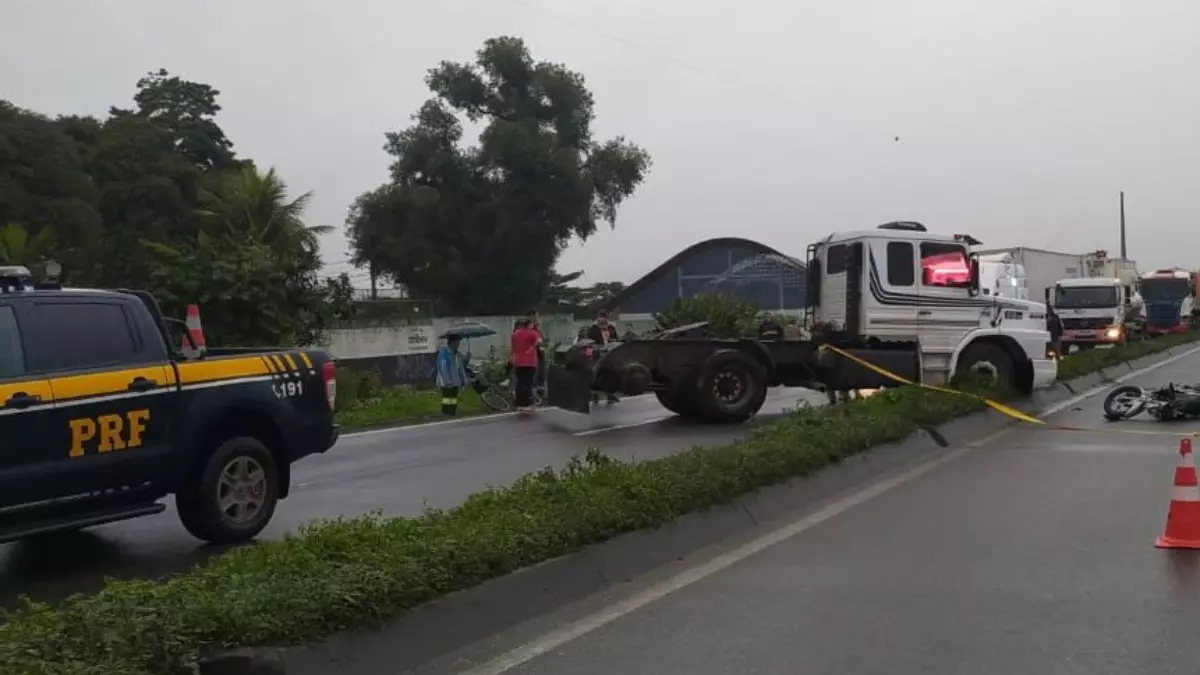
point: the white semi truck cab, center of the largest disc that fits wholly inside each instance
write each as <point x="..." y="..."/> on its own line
<point x="1098" y="311"/>
<point x="898" y="297"/>
<point x="902" y="283"/>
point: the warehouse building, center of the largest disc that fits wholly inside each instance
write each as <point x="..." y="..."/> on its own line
<point x="728" y="265"/>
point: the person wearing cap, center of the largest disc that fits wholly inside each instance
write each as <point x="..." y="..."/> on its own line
<point x="451" y="373"/>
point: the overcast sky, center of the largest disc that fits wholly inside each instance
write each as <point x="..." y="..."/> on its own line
<point x="1018" y="121"/>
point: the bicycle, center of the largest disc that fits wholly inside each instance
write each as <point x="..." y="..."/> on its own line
<point x="501" y="396"/>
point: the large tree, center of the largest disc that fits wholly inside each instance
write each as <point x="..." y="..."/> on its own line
<point x="154" y="197"/>
<point x="479" y="228"/>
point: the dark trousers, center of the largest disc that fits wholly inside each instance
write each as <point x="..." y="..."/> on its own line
<point x="526" y="377"/>
<point x="450" y="400"/>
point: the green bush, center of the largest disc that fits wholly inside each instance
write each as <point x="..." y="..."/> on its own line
<point x="357" y="572"/>
<point x="356" y="387"/>
<point x="727" y="316"/>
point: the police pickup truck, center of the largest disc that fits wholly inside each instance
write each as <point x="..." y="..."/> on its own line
<point x="100" y="418"/>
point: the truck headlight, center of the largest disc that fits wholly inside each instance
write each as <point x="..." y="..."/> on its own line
<point x="1113" y="333"/>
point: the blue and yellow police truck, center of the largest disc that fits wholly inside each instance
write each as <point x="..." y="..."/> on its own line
<point x="101" y="419"/>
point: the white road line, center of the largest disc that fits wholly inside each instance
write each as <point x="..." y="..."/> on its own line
<point x="557" y="638"/>
<point x="652" y="420"/>
<point x="425" y="425"/>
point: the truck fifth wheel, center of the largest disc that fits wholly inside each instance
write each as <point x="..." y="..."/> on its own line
<point x="898" y="297"/>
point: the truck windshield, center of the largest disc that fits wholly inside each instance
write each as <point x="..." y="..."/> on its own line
<point x="1165" y="289"/>
<point x="1080" y="297"/>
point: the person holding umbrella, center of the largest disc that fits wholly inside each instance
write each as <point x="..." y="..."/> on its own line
<point x="451" y="373"/>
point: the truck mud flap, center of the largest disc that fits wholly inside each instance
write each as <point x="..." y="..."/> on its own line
<point x="569" y="388"/>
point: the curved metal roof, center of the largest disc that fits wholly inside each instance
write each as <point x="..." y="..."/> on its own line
<point x="674" y="261"/>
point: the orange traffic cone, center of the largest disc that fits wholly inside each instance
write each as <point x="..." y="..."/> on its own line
<point x="1183" y="518"/>
<point x="196" y="331"/>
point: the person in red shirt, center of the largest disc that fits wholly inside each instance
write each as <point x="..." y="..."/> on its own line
<point x="524" y="358"/>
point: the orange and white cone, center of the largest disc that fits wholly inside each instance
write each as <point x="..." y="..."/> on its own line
<point x="1183" y="518"/>
<point x="196" y="331"/>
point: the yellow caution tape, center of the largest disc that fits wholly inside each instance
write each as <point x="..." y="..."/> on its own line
<point x="999" y="407"/>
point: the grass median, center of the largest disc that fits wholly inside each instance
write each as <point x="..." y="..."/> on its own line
<point x="358" y="572"/>
<point x="1093" y="360"/>
<point x="364" y="403"/>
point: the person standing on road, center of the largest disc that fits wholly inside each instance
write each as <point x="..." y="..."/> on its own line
<point x="524" y="357"/>
<point x="602" y="332"/>
<point x="535" y="322"/>
<point x="451" y="373"/>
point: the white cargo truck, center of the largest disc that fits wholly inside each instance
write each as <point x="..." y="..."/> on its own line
<point x="1041" y="269"/>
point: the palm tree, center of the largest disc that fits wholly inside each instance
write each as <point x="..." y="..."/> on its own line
<point x="256" y="205"/>
<point x="18" y="248"/>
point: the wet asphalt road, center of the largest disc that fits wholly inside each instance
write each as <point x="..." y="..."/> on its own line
<point x="1033" y="553"/>
<point x="399" y="471"/>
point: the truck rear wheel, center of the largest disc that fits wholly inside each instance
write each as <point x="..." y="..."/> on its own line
<point x="679" y="401"/>
<point x="991" y="360"/>
<point x="732" y="387"/>
<point x="232" y="495"/>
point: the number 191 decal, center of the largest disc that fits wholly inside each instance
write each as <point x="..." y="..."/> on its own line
<point x="288" y="389"/>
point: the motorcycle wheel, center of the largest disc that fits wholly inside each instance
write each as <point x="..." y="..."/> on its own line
<point x="1124" y="402"/>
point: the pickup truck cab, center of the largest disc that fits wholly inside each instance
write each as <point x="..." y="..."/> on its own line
<point x="100" y="418"/>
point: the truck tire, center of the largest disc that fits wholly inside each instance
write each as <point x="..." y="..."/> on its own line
<point x="731" y="388"/>
<point x="241" y="474"/>
<point x="990" y="358"/>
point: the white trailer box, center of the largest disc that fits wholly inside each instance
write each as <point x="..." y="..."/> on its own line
<point x="1042" y="268"/>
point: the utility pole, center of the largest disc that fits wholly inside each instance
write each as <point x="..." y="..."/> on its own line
<point x="1123" y="252"/>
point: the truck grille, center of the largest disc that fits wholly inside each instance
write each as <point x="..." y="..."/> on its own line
<point x="1092" y="323"/>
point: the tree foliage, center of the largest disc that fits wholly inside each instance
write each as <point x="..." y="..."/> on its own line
<point x="562" y="296"/>
<point x="155" y="197"/>
<point x="727" y="316"/>
<point x="479" y="228"/>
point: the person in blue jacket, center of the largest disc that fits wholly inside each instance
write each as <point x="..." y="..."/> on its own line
<point x="451" y="373"/>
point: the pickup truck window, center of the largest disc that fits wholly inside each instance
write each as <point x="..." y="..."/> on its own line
<point x="12" y="357"/>
<point x="79" y="336"/>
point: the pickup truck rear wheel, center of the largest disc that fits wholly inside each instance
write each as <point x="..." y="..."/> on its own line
<point x="233" y="494"/>
<point x="732" y="387"/>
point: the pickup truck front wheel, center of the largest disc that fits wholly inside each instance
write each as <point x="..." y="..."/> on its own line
<point x="233" y="494"/>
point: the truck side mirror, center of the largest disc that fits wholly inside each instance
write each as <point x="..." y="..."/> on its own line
<point x="973" y="284"/>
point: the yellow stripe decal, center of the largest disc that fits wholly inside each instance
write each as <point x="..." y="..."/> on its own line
<point x="108" y="382"/>
<point x="40" y="388"/>
<point x="210" y="370"/>
<point x="290" y="361"/>
<point x="307" y="361"/>
<point x="279" y="362"/>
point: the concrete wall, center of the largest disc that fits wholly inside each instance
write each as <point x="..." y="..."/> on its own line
<point x="404" y="353"/>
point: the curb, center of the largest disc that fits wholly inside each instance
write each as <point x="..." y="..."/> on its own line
<point x="465" y="617"/>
